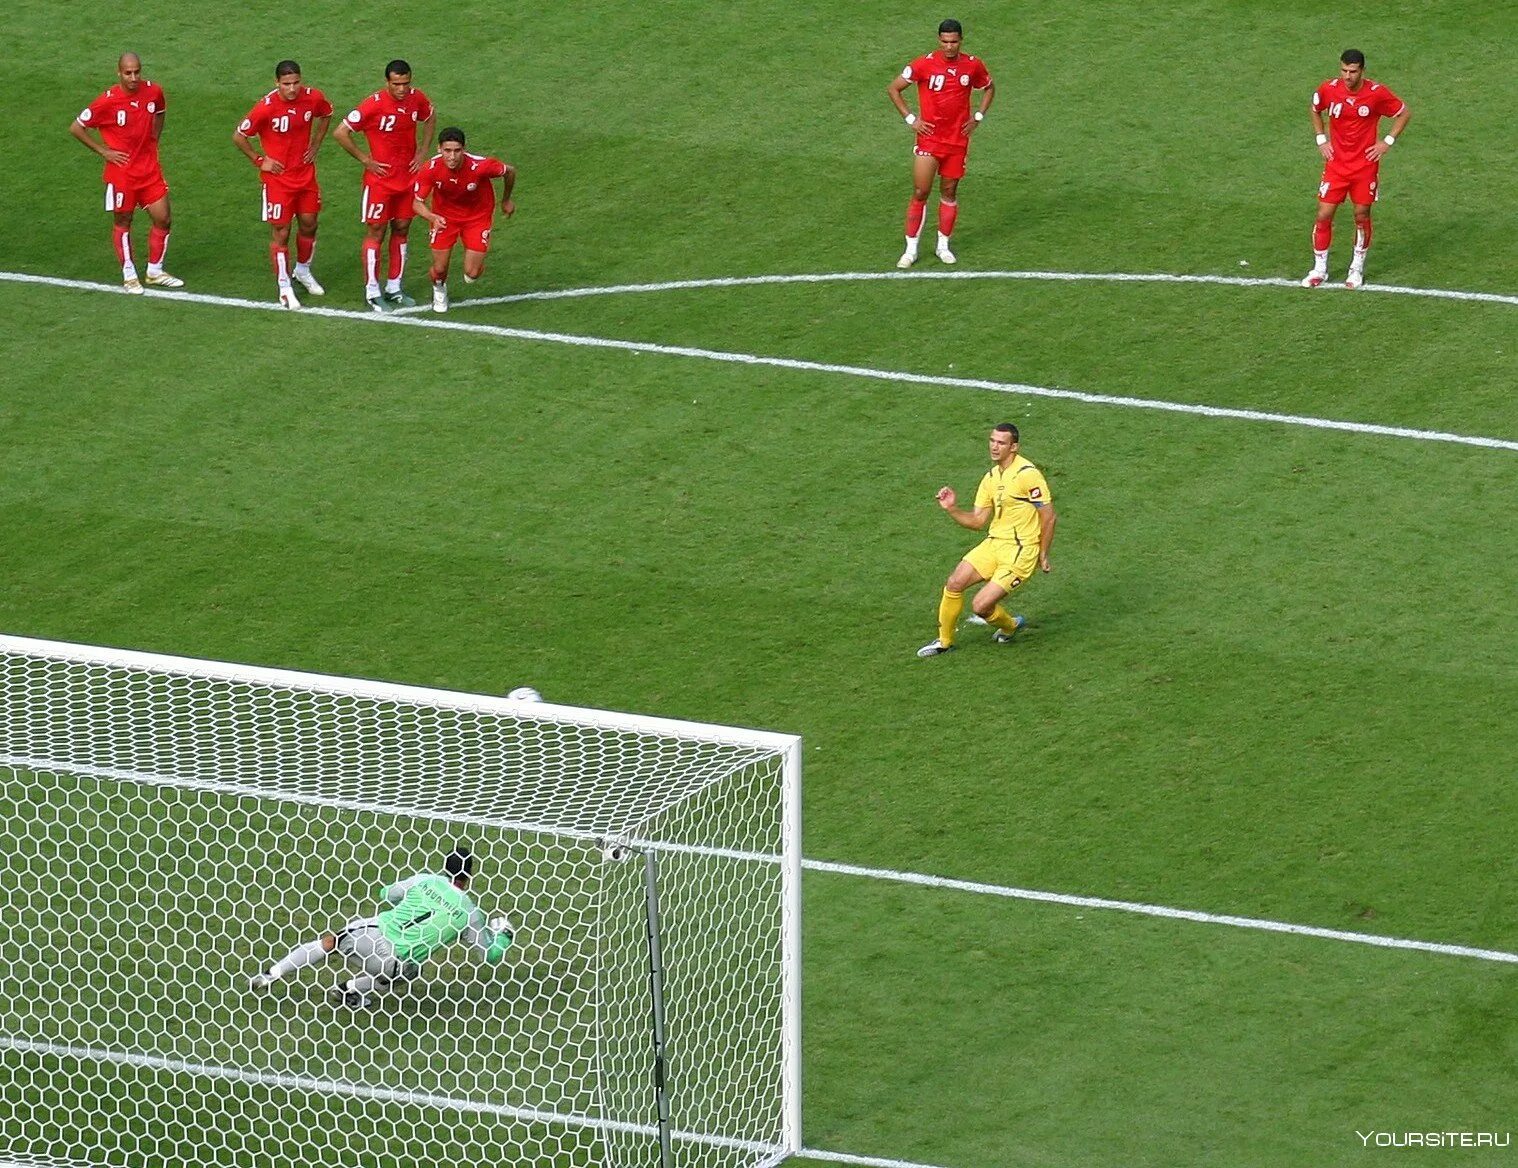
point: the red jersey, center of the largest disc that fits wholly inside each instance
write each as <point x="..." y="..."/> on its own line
<point x="1353" y="118"/>
<point x="390" y="126"/>
<point x="943" y="94"/>
<point x="125" y="121"/>
<point x="283" y="130"/>
<point x="461" y="195"/>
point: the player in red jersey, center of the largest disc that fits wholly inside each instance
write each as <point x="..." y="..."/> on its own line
<point x="290" y="123"/>
<point x="1352" y="151"/>
<point x="389" y="121"/>
<point x="129" y="121"/>
<point x="463" y="207"/>
<point x="943" y="125"/>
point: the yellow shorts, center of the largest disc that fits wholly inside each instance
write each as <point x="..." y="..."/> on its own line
<point x="1003" y="561"/>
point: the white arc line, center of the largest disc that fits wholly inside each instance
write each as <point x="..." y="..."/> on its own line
<point x="1157" y="910"/>
<point x="860" y="371"/>
<point x="1056" y="277"/>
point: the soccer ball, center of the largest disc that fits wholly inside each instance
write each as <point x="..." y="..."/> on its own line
<point x="614" y="853"/>
<point x="525" y="693"/>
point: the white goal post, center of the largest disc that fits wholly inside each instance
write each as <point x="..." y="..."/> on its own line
<point x="171" y="827"/>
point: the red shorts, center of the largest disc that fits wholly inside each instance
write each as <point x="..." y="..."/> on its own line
<point x="1360" y="185"/>
<point x="129" y="194"/>
<point x="282" y="203"/>
<point x="475" y="233"/>
<point x="381" y="205"/>
<point x="951" y="159"/>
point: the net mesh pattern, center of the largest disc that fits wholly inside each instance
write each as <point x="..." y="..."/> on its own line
<point x="168" y="835"/>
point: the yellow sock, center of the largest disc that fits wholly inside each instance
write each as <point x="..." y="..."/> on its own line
<point x="1002" y="619"/>
<point x="949" y="608"/>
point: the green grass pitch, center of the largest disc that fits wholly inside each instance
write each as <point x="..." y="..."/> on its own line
<point x="1273" y="673"/>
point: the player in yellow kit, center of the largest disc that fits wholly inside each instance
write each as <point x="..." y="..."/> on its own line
<point x="1014" y="497"/>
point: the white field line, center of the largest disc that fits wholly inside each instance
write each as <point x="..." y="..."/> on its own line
<point x="867" y="1161"/>
<point x="1156" y="910"/>
<point x="350" y="1090"/>
<point x="865" y="372"/>
<point x="917" y="878"/>
<point x="1066" y="277"/>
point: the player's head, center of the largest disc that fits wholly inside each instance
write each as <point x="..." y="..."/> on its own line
<point x="459" y="865"/>
<point x="129" y="69"/>
<point x="1003" y="441"/>
<point x="1351" y="66"/>
<point x="398" y="78"/>
<point x="950" y="35"/>
<point x="287" y="77"/>
<point x="450" y="144"/>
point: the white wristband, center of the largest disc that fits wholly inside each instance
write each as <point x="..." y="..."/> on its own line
<point x="911" y="119"/>
<point x="1322" y="139"/>
<point x="979" y="117"/>
<point x="1389" y="140"/>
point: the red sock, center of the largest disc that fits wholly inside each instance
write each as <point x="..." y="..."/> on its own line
<point x="947" y="213"/>
<point x="305" y="248"/>
<point x="368" y="252"/>
<point x="280" y="258"/>
<point x="1362" y="233"/>
<point x="397" y="255"/>
<point x="916" y="209"/>
<point x="1322" y="234"/>
<point x="158" y="244"/>
<point x="121" y="240"/>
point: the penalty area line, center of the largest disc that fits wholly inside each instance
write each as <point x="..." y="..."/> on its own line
<point x="860" y="371"/>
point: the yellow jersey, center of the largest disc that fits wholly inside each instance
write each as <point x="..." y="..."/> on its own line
<point x="1014" y="496"/>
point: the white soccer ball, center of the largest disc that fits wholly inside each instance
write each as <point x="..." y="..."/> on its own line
<point x="525" y="693"/>
<point x="615" y="853"/>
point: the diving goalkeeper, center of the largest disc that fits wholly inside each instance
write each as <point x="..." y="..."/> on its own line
<point x="427" y="912"/>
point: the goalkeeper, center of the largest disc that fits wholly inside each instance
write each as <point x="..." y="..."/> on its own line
<point x="427" y="912"/>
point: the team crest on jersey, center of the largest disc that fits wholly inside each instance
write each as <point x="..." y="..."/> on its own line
<point x="472" y="187"/>
<point x="152" y="107"/>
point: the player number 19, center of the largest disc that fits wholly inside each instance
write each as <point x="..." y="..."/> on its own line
<point x="936" y="81"/>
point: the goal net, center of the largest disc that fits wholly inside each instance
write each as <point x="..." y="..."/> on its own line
<point x="169" y="827"/>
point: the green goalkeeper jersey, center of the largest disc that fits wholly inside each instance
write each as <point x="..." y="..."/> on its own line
<point x="431" y="913"/>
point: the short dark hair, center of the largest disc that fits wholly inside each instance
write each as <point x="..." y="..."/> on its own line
<point x="460" y="862"/>
<point x="397" y="68"/>
<point x="1353" y="57"/>
<point x="285" y="68"/>
<point x="951" y="26"/>
<point x="451" y="134"/>
<point x="1006" y="428"/>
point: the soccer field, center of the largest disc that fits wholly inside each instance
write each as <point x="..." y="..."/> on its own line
<point x="1272" y="676"/>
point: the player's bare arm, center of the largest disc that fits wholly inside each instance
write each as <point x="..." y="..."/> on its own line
<point x="267" y="165"/>
<point x="158" y="120"/>
<point x="1320" y="134"/>
<point x="425" y="212"/>
<point x="118" y="157"/>
<point x="343" y="136"/>
<point x="1046" y="521"/>
<point x="424" y="151"/>
<point x="508" y="184"/>
<point x="1380" y="146"/>
<point x="986" y="95"/>
<point x="913" y="122"/>
<point x="318" y="136"/>
<point x="974" y="520"/>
